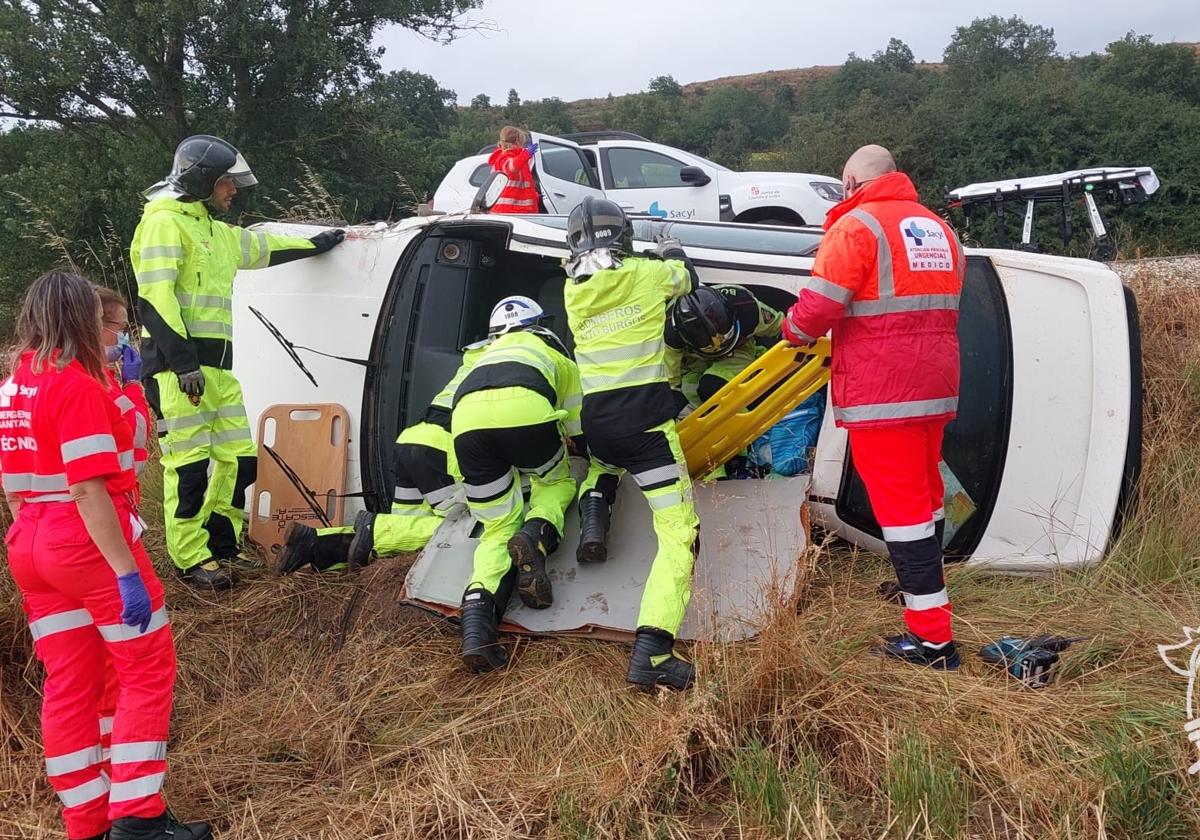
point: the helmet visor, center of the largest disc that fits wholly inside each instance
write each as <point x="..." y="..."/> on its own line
<point x="241" y="174"/>
<point x="720" y="344"/>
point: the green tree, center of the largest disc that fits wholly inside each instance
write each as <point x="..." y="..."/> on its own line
<point x="512" y="107"/>
<point x="666" y="86"/>
<point x="172" y="66"/>
<point x="481" y="101"/>
<point x="549" y="116"/>
<point x="1137" y="63"/>
<point x="895" y="56"/>
<point x="992" y="46"/>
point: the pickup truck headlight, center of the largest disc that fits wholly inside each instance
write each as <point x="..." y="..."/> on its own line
<point x="827" y="191"/>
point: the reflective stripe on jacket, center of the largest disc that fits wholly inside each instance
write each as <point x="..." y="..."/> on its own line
<point x="185" y="261"/>
<point x="887" y="280"/>
<point x="59" y="428"/>
<point x="520" y="194"/>
<point x="131" y="402"/>
<point x="617" y="317"/>
<point x="524" y="359"/>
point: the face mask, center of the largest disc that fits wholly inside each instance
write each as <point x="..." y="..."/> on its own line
<point x="122" y="339"/>
<point x="112" y="354"/>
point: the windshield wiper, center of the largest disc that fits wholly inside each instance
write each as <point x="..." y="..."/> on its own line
<point x="291" y="347"/>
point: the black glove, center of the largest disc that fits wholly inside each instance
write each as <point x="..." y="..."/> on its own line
<point x="192" y="383"/>
<point x="323" y="241"/>
<point x="327" y="239"/>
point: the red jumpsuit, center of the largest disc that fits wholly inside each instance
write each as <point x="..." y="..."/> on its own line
<point x="59" y="428"/>
<point x="887" y="280"/>
<point x="131" y="402"/>
<point x="520" y="195"/>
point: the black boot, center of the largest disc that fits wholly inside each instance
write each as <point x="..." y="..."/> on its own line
<point x="209" y="575"/>
<point x="593" y="528"/>
<point x="914" y="650"/>
<point x="654" y="661"/>
<point x="481" y="648"/>
<point x="303" y="545"/>
<point x="162" y="827"/>
<point x="364" y="540"/>
<point x="299" y="546"/>
<point x="529" y="549"/>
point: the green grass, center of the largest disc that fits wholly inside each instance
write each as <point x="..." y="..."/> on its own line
<point x="927" y="792"/>
<point x="1142" y="799"/>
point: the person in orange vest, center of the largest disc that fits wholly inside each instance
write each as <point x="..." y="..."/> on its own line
<point x="512" y="159"/>
<point x="887" y="280"/>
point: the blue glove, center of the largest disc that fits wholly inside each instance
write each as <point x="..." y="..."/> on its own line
<point x="131" y="365"/>
<point x="532" y="148"/>
<point x="135" y="600"/>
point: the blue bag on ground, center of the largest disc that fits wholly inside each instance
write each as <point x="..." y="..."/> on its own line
<point x="785" y="447"/>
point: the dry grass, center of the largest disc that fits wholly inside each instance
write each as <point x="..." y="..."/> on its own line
<point x="322" y="708"/>
<point x="308" y="201"/>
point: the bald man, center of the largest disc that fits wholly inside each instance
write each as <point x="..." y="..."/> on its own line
<point x="886" y="280"/>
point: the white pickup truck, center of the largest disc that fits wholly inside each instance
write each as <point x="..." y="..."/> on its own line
<point x="647" y="179"/>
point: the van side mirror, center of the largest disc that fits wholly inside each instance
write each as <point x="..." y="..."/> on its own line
<point x="694" y="175"/>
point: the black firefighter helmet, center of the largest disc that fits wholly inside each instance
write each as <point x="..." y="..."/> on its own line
<point x="599" y="223"/>
<point x="705" y="323"/>
<point x="201" y="160"/>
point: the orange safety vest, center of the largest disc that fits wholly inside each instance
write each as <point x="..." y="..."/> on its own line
<point x="887" y="281"/>
<point x="520" y="195"/>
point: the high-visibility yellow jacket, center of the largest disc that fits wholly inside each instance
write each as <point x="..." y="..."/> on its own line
<point x="617" y="317"/>
<point x="185" y="261"/>
<point x="527" y="360"/>
<point x="442" y="403"/>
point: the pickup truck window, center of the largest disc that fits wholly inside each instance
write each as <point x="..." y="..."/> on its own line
<point x="568" y="164"/>
<point x="634" y="169"/>
<point x="481" y="173"/>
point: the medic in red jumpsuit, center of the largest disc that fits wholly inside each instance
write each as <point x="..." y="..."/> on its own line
<point x="513" y="159"/>
<point x="88" y="589"/>
<point x="887" y="280"/>
<point x="123" y="376"/>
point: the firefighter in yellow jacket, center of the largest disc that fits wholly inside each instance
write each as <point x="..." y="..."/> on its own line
<point x="512" y="415"/>
<point x="185" y="262"/>
<point x="616" y="307"/>
<point x="427" y="490"/>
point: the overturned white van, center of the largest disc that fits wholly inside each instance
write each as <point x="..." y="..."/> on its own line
<point x="1042" y="460"/>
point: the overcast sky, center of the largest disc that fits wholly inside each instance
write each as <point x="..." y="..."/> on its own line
<point x="573" y="49"/>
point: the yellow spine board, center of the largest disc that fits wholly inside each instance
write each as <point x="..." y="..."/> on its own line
<point x="723" y="426"/>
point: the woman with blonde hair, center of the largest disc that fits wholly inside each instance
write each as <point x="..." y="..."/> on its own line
<point x="87" y="586"/>
<point x="512" y="159"/>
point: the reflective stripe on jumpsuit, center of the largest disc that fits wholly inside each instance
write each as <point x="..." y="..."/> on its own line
<point x="74" y="609"/>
